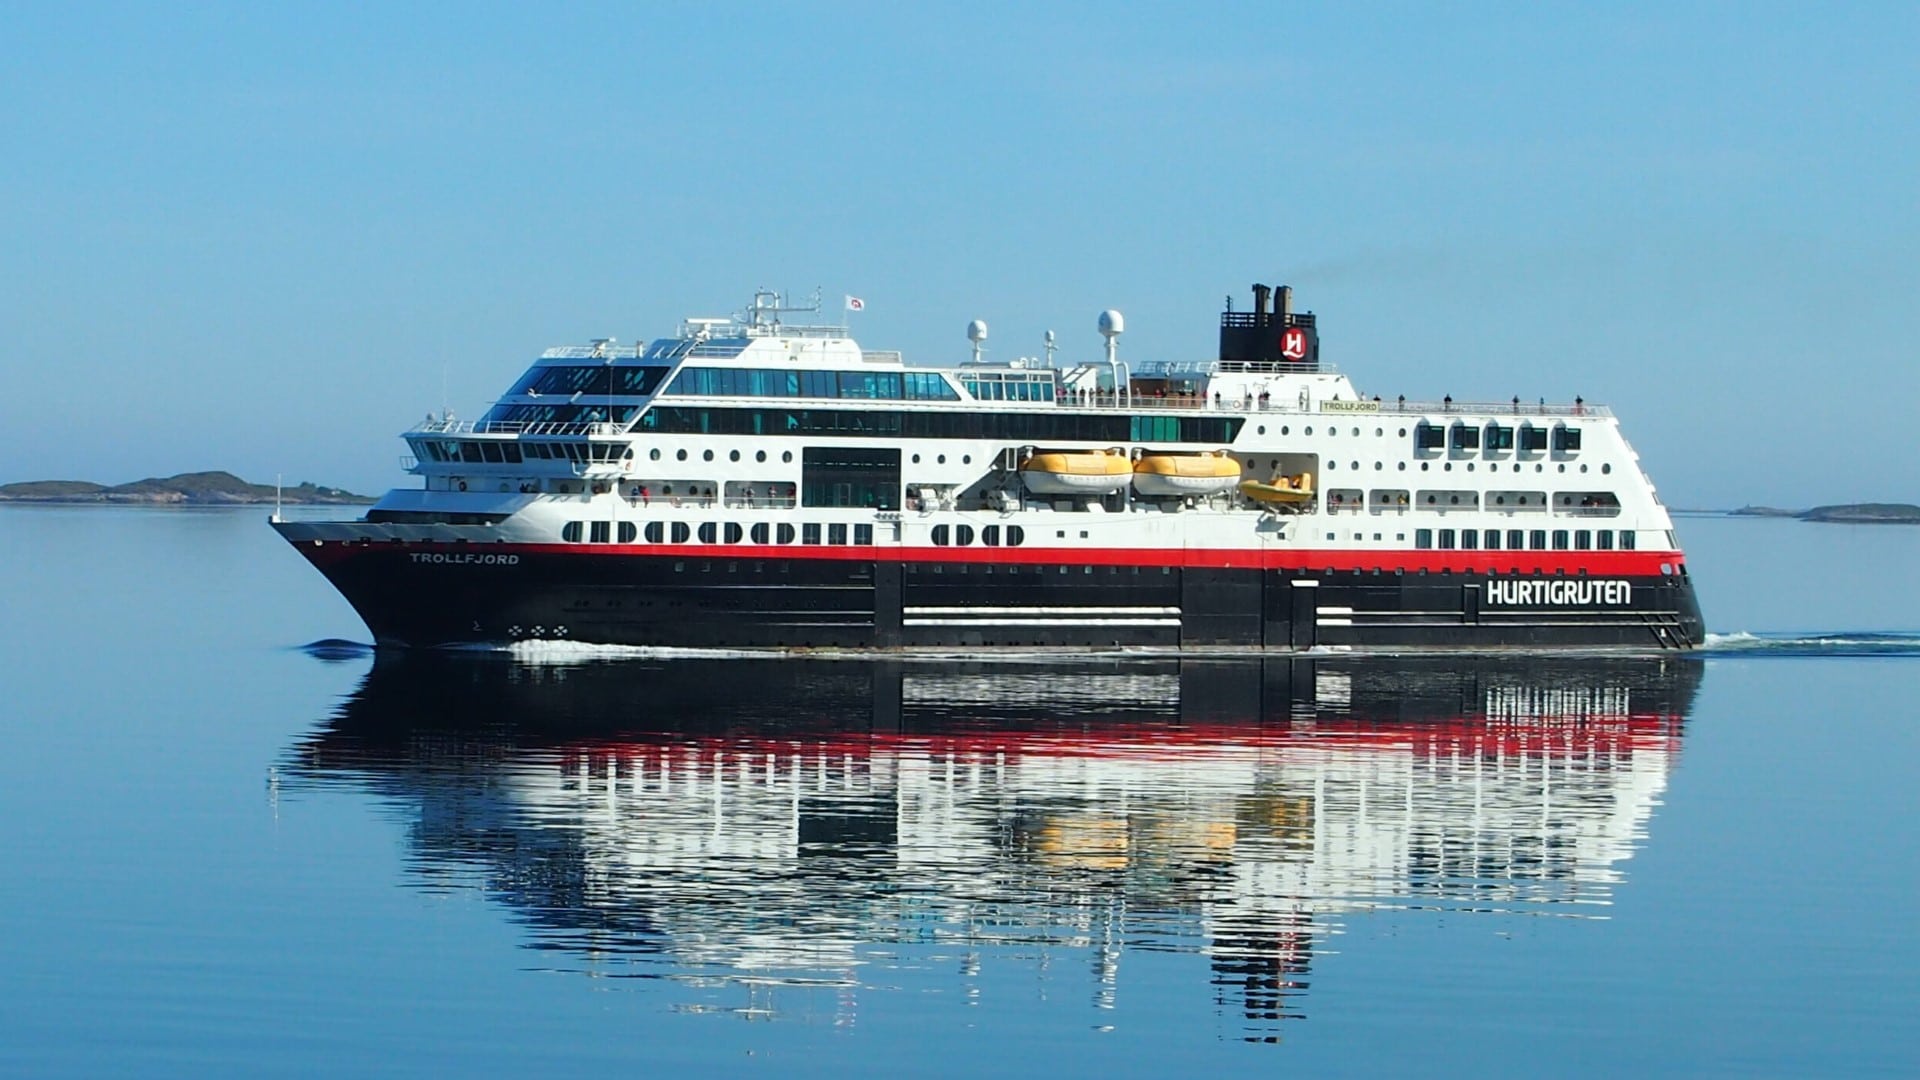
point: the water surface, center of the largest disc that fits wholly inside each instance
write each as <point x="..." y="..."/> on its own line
<point x="225" y="852"/>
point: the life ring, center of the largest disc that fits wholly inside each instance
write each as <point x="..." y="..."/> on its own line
<point x="463" y="485"/>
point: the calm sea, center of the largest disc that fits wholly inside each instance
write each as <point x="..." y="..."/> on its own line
<point x="226" y="852"/>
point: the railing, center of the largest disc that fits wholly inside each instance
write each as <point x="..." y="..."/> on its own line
<point x="506" y="427"/>
<point x="1106" y="399"/>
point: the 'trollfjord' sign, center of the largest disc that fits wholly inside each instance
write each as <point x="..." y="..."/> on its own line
<point x="1561" y="592"/>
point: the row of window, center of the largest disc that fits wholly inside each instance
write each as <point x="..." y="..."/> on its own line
<point x="1594" y="503"/>
<point x="590" y="379"/>
<point x="776" y="382"/>
<point x="710" y="532"/>
<point x="1011" y="426"/>
<point x="498" y="452"/>
<point x="1009" y="385"/>
<point x="1523" y="539"/>
<point x="1495" y="436"/>
<point x="963" y="535"/>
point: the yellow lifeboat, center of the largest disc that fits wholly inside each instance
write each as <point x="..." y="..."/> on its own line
<point x="1185" y="474"/>
<point x="1282" y="490"/>
<point x="1094" y="473"/>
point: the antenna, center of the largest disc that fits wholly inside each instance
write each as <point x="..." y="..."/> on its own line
<point x="977" y="333"/>
<point x="1111" y="327"/>
<point x="1050" y="348"/>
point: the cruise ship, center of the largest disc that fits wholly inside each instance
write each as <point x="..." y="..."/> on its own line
<point x="756" y="481"/>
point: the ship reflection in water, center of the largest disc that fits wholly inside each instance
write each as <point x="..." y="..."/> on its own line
<point x="790" y="837"/>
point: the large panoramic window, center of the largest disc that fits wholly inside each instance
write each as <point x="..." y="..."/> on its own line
<point x="860" y="476"/>
<point x="590" y="379"/>
<point x="1011" y="426"/>
<point x="779" y="382"/>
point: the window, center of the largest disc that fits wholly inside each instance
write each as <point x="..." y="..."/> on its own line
<point x="1582" y="540"/>
<point x="656" y="532"/>
<point x="1559" y="539"/>
<point x="761" y="532"/>
<point x="680" y="532"/>
<point x="734" y="533"/>
<point x="1016" y="536"/>
<point x="1493" y="539"/>
<point x="1532" y="439"/>
<point x="1425" y="436"/>
<point x="1603" y="539"/>
<point x="1499" y="437"/>
<point x="962" y="535"/>
<point x="810" y="533"/>
<point x="940" y="536"/>
<point x="837" y="533"/>
<point x="1516" y="540"/>
<point x="990" y="535"/>
<point x="1469" y="539"/>
<point x="602" y="532"/>
<point x="629" y="532"/>
<point x="571" y="532"/>
<point x="860" y="476"/>
<point x="1566" y="439"/>
<point x="1423" y="538"/>
<point x="1466" y="438"/>
<point x="1626" y="539"/>
<point x="1537" y="539"/>
<point x="783" y="533"/>
<point x="1446" y="539"/>
<point x="863" y="534"/>
<point x="709" y="532"/>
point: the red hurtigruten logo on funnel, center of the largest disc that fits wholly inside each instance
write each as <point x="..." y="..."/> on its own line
<point x="1293" y="344"/>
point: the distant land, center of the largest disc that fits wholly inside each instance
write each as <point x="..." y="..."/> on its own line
<point x="186" y="489"/>
<point x="1842" y="513"/>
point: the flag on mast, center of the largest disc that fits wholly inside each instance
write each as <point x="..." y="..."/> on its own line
<point x="854" y="303"/>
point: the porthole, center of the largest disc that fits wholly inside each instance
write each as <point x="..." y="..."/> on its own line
<point x="1356" y="431"/>
<point x="786" y="456"/>
<point x="1402" y="467"/>
<point x="1403" y="433"/>
<point x="1606" y="468"/>
<point x="1583" y="468"/>
<point x="1262" y="429"/>
<point x="1469" y="466"/>
<point x="759" y="455"/>
<point x="1332" y="465"/>
<point x="916" y="459"/>
<point x="1309" y="430"/>
<point x="1354" y="464"/>
<point x="1423" y="466"/>
<point x="941" y="460"/>
<point x="682" y="455"/>
<point x="966" y="459"/>
<point x="1377" y="432"/>
<point x="1378" y="465"/>
<point x="1563" y="468"/>
<point x="1539" y="468"/>
<point x="654" y="453"/>
<point x="1283" y="429"/>
<point x="733" y="455"/>
<point x="1332" y="433"/>
<point x="707" y="456"/>
<point x="1448" y="467"/>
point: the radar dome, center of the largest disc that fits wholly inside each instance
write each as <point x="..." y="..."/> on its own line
<point x="977" y="330"/>
<point x="1111" y="324"/>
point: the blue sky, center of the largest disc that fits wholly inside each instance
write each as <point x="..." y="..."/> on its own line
<point x="269" y="237"/>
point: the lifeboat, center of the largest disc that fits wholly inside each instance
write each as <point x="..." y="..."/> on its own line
<point x="1282" y="490"/>
<point x="1096" y="473"/>
<point x="1185" y="474"/>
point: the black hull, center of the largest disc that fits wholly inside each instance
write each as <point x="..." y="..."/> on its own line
<point x="457" y="594"/>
